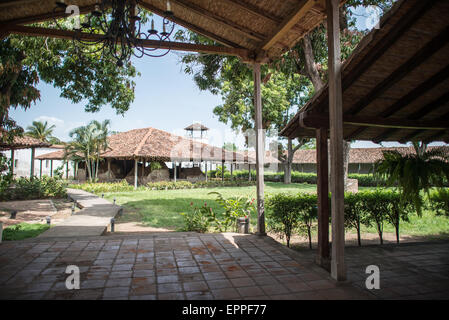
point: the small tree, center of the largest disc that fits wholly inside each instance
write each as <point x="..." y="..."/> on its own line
<point x="307" y="209"/>
<point x="283" y="217"/>
<point x="375" y="207"/>
<point x="354" y="215"/>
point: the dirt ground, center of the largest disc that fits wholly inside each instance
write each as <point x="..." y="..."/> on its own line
<point x="35" y="211"/>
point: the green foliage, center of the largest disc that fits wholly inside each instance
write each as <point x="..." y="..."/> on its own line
<point x="198" y="219"/>
<point x="23" y="231"/>
<point x="124" y="186"/>
<point x="98" y="188"/>
<point x="59" y="171"/>
<point x="35" y="188"/>
<point x="414" y="172"/>
<point x="439" y="201"/>
<point x="354" y="215"/>
<point x="219" y="172"/>
<point x="154" y="165"/>
<point x="41" y="131"/>
<point x="6" y="177"/>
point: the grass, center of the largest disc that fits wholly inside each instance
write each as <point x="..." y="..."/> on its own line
<point x="23" y="231"/>
<point x="162" y="208"/>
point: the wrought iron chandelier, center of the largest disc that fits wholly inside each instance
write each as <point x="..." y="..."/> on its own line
<point x="115" y="29"/>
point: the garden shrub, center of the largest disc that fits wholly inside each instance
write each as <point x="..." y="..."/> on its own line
<point x="122" y="186"/>
<point x="354" y="215"/>
<point x="35" y="188"/>
<point x="439" y="201"/>
<point x="198" y="219"/>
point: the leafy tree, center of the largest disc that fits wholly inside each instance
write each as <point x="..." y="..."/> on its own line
<point x="354" y="215"/>
<point x="288" y="82"/>
<point x="414" y="172"/>
<point x="230" y="146"/>
<point x="41" y="130"/>
<point x="24" y="61"/>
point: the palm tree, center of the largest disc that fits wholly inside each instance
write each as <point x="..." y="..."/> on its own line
<point x="415" y="172"/>
<point x="41" y="130"/>
<point x="88" y="144"/>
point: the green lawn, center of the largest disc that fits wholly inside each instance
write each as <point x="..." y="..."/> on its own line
<point x="162" y="208"/>
<point x="23" y="231"/>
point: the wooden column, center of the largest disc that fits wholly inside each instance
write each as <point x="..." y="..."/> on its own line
<point x="67" y="170"/>
<point x="33" y="151"/>
<point x="249" y="171"/>
<point x="232" y="178"/>
<point x="51" y="168"/>
<point x="75" y="174"/>
<point x="260" y="150"/>
<point x="40" y="169"/>
<point x="222" y="170"/>
<point x="338" y="269"/>
<point x="174" y="171"/>
<point x="12" y="162"/>
<point x="323" y="198"/>
<point x="136" y="172"/>
<point x="109" y="169"/>
<point x="205" y="169"/>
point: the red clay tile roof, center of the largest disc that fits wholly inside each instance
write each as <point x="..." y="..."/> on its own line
<point x="24" y="142"/>
<point x="155" y="144"/>
<point x="356" y="155"/>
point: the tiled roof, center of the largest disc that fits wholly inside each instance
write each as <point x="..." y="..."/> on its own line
<point x="356" y="155"/>
<point x="24" y="142"/>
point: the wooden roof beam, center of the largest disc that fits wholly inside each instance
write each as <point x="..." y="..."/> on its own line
<point x="444" y="99"/>
<point x="322" y="121"/>
<point x="288" y="24"/>
<point x="178" y="46"/>
<point x="190" y="26"/>
<point x="254" y="10"/>
<point x="218" y="19"/>
<point x="422" y="55"/>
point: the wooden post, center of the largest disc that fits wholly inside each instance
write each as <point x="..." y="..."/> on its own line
<point x="249" y="171"/>
<point x="338" y="269"/>
<point x="33" y="150"/>
<point x="323" y="198"/>
<point x="40" y="170"/>
<point x="205" y="167"/>
<point x="136" y="171"/>
<point x="222" y="170"/>
<point x="12" y="162"/>
<point x="75" y="174"/>
<point x="174" y="171"/>
<point x="67" y="170"/>
<point x="109" y="169"/>
<point x="232" y="178"/>
<point x="51" y="168"/>
<point x="260" y="151"/>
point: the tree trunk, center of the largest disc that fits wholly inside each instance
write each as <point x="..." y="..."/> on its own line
<point x="310" y="65"/>
<point x="309" y="233"/>
<point x="397" y="231"/>
<point x="359" y="241"/>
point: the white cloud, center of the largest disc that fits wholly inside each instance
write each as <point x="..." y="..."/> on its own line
<point x="51" y="120"/>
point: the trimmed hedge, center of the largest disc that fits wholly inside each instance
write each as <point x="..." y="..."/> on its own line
<point x="124" y="186"/>
<point x="297" y="213"/>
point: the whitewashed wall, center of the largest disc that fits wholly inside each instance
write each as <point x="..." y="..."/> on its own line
<point x="23" y="164"/>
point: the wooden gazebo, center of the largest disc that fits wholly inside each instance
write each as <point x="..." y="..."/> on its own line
<point x="254" y="30"/>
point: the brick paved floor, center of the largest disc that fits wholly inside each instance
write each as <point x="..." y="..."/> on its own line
<point x="212" y="266"/>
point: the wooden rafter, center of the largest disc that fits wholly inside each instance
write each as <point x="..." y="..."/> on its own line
<point x="439" y="102"/>
<point x="192" y="27"/>
<point x="288" y="24"/>
<point x="179" y="46"/>
<point x="9" y="3"/>
<point x="218" y="19"/>
<point x="254" y="10"/>
<point x="422" y="55"/>
<point x="45" y="16"/>
<point x="322" y="121"/>
<point x="408" y="98"/>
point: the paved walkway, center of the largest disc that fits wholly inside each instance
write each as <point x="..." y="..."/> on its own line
<point x="92" y="220"/>
<point x="213" y="266"/>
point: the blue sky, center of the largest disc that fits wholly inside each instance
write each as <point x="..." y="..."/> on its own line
<point x="165" y="98"/>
